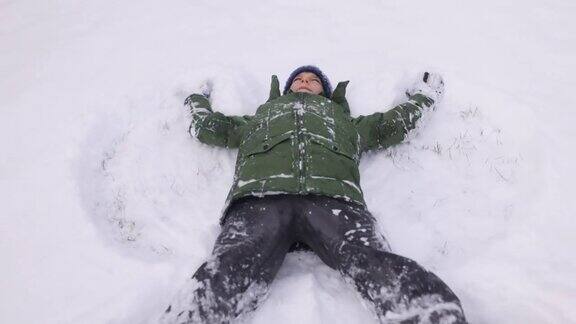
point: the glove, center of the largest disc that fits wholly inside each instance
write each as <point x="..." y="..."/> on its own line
<point x="206" y="88"/>
<point x="199" y="103"/>
<point x="430" y="85"/>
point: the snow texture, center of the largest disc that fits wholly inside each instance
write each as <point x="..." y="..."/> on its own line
<point x="108" y="205"/>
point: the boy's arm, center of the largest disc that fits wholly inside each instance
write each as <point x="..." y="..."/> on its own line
<point x="211" y="127"/>
<point x="382" y="130"/>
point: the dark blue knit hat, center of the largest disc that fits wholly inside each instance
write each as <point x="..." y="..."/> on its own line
<point x="326" y="87"/>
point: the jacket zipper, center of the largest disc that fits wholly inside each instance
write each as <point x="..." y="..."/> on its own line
<point x="299" y="112"/>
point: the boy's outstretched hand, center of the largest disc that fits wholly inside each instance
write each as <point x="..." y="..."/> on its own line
<point x="199" y="101"/>
<point x="206" y="88"/>
<point x="429" y="84"/>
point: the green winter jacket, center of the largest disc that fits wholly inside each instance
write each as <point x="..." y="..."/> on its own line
<point x="301" y="143"/>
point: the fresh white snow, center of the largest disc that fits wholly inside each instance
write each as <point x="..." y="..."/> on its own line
<point x="108" y="205"/>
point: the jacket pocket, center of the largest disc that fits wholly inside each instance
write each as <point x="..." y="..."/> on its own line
<point x="263" y="144"/>
<point x="343" y="148"/>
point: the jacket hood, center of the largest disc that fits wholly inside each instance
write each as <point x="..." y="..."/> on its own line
<point x="338" y="95"/>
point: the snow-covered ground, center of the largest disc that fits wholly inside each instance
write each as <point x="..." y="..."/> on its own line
<point x="107" y="204"/>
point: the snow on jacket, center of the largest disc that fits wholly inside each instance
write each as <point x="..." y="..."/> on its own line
<point x="302" y="143"/>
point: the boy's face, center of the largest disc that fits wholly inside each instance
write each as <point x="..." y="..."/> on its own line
<point x="307" y="82"/>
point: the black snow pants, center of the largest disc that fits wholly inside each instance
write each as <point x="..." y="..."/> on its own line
<point x="257" y="234"/>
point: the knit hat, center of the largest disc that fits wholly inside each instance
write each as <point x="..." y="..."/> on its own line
<point x="326" y="87"/>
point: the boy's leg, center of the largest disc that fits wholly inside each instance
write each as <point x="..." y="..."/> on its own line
<point x="344" y="237"/>
<point x="247" y="255"/>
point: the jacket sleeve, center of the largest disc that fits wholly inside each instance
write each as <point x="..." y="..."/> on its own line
<point x="214" y="128"/>
<point x="382" y="130"/>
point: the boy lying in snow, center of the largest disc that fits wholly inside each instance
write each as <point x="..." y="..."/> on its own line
<point x="297" y="182"/>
